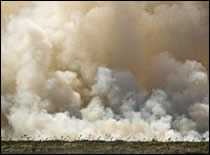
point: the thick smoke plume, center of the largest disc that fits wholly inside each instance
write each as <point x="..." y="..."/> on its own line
<point x="132" y="71"/>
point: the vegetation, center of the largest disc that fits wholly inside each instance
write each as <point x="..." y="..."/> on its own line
<point x="92" y="147"/>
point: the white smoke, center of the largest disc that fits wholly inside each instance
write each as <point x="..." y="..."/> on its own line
<point x="73" y="71"/>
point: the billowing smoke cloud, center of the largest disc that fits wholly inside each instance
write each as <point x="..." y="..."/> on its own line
<point x="105" y="70"/>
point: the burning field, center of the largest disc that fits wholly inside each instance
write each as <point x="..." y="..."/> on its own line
<point x="124" y="74"/>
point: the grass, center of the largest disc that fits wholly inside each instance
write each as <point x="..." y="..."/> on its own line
<point x="93" y="147"/>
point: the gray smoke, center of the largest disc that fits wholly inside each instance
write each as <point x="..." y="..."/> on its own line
<point x="100" y="70"/>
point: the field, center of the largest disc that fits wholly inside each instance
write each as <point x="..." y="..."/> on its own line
<point x="91" y="147"/>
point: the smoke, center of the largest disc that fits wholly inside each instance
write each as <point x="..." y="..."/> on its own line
<point x="105" y="70"/>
